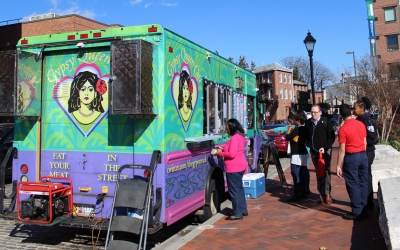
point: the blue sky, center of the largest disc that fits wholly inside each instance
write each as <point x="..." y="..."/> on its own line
<point x="261" y="30"/>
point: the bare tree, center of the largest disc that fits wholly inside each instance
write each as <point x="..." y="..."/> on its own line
<point x="302" y="65"/>
<point x="381" y="85"/>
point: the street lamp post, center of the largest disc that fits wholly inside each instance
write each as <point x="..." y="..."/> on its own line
<point x="354" y="63"/>
<point x="355" y="71"/>
<point x="310" y="43"/>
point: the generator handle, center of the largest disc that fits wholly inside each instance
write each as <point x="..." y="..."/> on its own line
<point x="48" y="178"/>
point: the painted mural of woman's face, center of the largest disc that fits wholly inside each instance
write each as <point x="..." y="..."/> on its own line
<point x="86" y="93"/>
<point x="185" y="91"/>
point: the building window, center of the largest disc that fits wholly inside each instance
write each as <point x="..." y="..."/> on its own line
<point x="392" y="42"/>
<point x="289" y="79"/>
<point x="280" y="94"/>
<point x="290" y="94"/>
<point x="284" y="78"/>
<point x="390" y="14"/>
<point x="280" y="78"/>
<point x="286" y="97"/>
<point x="269" y="78"/>
<point x="394" y="71"/>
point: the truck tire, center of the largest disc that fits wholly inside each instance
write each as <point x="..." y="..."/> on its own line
<point x="214" y="207"/>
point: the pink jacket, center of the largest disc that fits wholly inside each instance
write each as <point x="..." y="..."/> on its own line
<point x="233" y="154"/>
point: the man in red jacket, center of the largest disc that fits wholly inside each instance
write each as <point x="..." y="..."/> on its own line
<point x="352" y="163"/>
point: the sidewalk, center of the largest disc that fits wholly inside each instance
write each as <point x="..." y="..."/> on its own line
<point x="275" y="224"/>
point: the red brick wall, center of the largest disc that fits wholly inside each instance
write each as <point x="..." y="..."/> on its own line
<point x="10" y="34"/>
<point x="383" y="29"/>
<point x="284" y="105"/>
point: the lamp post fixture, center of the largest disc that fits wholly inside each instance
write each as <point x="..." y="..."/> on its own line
<point x="355" y="71"/>
<point x="354" y="63"/>
<point x="310" y="43"/>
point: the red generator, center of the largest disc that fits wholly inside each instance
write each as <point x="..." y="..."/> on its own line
<point x="45" y="200"/>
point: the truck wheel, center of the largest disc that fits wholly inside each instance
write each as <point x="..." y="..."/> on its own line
<point x="214" y="207"/>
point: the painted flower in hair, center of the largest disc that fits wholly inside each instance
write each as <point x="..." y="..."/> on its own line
<point x="101" y="87"/>
<point x="191" y="87"/>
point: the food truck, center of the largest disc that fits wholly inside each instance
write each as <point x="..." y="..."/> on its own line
<point x="86" y="103"/>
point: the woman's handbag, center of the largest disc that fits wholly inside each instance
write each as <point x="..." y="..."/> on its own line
<point x="321" y="166"/>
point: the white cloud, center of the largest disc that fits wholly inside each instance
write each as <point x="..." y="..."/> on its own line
<point x="54" y="3"/>
<point x="74" y="9"/>
<point x="133" y="2"/>
<point x="169" y="4"/>
<point x="158" y="3"/>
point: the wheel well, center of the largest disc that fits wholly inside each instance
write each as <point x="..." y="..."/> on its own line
<point x="214" y="173"/>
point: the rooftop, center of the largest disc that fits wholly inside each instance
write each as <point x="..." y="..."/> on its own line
<point x="271" y="67"/>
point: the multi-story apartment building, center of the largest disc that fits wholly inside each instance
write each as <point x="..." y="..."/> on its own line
<point x="275" y="86"/>
<point x="386" y="14"/>
<point x="301" y="98"/>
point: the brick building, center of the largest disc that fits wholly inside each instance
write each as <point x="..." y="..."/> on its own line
<point x="275" y="86"/>
<point x="386" y="16"/>
<point x="301" y="98"/>
<point x="11" y="33"/>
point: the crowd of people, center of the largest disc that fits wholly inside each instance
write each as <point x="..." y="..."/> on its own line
<point x="312" y="139"/>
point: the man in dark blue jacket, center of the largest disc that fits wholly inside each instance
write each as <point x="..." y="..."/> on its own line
<point x="319" y="138"/>
<point x="360" y="107"/>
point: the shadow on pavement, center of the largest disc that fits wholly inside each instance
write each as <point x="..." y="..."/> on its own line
<point x="366" y="234"/>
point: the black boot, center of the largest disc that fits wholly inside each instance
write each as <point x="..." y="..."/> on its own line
<point x="304" y="190"/>
<point x="370" y="204"/>
<point x="296" y="193"/>
<point x="306" y="187"/>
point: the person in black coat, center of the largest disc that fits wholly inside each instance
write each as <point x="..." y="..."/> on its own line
<point x="320" y="137"/>
<point x="359" y="110"/>
<point x="299" y="159"/>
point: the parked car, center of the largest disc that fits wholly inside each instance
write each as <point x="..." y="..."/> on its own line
<point x="374" y="115"/>
<point x="335" y="119"/>
<point x="280" y="140"/>
<point x="6" y="141"/>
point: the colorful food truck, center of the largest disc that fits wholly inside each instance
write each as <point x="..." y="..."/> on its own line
<point x="87" y="103"/>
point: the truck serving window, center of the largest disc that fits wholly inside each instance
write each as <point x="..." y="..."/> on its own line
<point x="250" y="112"/>
<point x="218" y="108"/>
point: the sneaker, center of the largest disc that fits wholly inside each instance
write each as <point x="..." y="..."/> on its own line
<point x="352" y="216"/>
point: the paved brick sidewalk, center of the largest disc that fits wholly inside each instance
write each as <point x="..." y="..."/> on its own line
<point x="275" y="224"/>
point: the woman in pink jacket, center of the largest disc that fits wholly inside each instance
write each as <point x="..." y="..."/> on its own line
<point x="235" y="165"/>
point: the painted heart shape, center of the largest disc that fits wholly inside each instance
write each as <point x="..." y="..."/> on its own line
<point x="26" y="95"/>
<point x="185" y="92"/>
<point x="72" y="103"/>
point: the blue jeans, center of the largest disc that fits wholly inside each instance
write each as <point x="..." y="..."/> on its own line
<point x="355" y="173"/>
<point x="299" y="173"/>
<point x="236" y="191"/>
